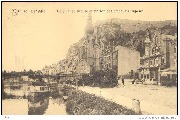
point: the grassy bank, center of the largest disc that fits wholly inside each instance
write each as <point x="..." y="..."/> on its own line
<point x="81" y="103"/>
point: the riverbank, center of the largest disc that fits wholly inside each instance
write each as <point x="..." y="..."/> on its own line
<point x="82" y="103"/>
<point x="12" y="96"/>
<point x="155" y="100"/>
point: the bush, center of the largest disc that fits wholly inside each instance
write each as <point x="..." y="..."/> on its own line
<point x="81" y="103"/>
<point x="101" y="78"/>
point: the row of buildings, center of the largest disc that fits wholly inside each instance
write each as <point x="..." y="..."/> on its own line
<point x="91" y="54"/>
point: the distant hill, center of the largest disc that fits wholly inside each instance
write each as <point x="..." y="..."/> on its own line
<point x="131" y="26"/>
<point x="132" y="33"/>
<point x="124" y="32"/>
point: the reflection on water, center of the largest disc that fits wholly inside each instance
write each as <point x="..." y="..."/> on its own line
<point x="56" y="107"/>
<point x="44" y="106"/>
<point x="37" y="108"/>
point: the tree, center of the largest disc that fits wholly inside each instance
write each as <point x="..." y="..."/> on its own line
<point x="3" y="93"/>
<point x="4" y="73"/>
<point x="30" y="72"/>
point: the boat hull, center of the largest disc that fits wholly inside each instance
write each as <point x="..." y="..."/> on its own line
<point x="37" y="96"/>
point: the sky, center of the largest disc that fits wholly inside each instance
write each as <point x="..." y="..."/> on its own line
<point x="32" y="40"/>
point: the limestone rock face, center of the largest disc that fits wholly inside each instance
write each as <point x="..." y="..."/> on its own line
<point x="73" y="51"/>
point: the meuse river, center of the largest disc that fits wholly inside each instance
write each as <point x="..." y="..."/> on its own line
<point x="45" y="106"/>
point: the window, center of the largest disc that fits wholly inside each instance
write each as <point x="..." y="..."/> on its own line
<point x="156" y="61"/>
<point x="144" y="76"/>
<point x="162" y="61"/>
<point x="157" y="50"/>
<point x="147" y="51"/>
<point x="41" y="88"/>
<point x="141" y="76"/>
<point x="147" y="76"/>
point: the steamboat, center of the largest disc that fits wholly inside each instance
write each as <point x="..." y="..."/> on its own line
<point x="38" y="91"/>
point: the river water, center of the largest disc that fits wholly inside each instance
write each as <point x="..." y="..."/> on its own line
<point x="45" y="106"/>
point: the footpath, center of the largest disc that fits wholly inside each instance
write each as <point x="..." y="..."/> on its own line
<point x="153" y="100"/>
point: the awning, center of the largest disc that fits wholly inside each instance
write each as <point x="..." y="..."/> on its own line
<point x="169" y="71"/>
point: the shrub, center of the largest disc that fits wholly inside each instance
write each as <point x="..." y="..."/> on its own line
<point x="81" y="103"/>
<point x="101" y="78"/>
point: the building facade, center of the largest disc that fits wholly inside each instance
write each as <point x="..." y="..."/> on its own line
<point x="83" y="67"/>
<point x="126" y="60"/>
<point x="160" y="54"/>
<point x="90" y="50"/>
<point x="45" y="70"/>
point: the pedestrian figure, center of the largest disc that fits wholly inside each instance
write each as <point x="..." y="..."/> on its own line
<point x="133" y="81"/>
<point x="118" y="79"/>
<point x="123" y="81"/>
<point x="83" y="84"/>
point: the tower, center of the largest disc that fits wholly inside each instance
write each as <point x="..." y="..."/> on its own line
<point x="89" y="27"/>
<point x="147" y="45"/>
<point x="91" y="54"/>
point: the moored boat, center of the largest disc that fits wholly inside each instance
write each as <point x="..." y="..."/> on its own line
<point x="37" y="92"/>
